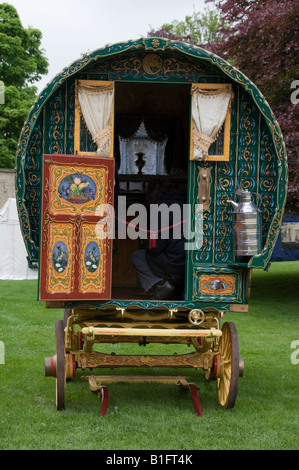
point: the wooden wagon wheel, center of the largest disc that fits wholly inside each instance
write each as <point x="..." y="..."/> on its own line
<point x="226" y="366"/>
<point x="60" y="365"/>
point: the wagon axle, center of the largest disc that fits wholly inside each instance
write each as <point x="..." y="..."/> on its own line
<point x="220" y="360"/>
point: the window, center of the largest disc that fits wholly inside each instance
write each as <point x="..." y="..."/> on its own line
<point x="94" y="118"/>
<point x="140" y="155"/>
<point x="210" y="121"/>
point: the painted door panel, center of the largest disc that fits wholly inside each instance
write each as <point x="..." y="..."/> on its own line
<point x="75" y="255"/>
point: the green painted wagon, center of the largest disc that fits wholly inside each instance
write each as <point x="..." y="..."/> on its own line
<point x="102" y="130"/>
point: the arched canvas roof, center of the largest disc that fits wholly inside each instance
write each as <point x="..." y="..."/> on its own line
<point x="158" y="45"/>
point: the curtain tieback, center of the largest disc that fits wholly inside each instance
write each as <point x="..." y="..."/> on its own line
<point x="202" y="141"/>
<point x="102" y="138"/>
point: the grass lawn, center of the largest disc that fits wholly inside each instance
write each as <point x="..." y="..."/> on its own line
<point x="154" y="417"/>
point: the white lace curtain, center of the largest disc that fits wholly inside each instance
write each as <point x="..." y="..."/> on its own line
<point x="209" y="109"/>
<point x="96" y="104"/>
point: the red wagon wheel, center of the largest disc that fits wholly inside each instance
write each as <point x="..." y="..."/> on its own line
<point x="60" y="365"/>
<point x="226" y="366"/>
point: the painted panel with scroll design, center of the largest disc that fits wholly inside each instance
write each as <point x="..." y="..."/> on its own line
<point x="93" y="266"/>
<point x="77" y="190"/>
<point x="60" y="258"/>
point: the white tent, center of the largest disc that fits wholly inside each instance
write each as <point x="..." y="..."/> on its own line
<point x="13" y="254"/>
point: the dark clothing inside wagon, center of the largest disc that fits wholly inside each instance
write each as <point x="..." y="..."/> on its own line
<point x="167" y="258"/>
<point x="161" y="265"/>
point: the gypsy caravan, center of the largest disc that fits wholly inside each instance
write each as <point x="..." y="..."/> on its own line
<point x="98" y="136"/>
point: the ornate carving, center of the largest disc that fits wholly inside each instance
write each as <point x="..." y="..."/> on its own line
<point x="96" y="359"/>
<point x="155" y="42"/>
<point x="152" y="65"/>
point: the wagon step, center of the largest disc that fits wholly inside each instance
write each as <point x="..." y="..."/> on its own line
<point x="97" y="384"/>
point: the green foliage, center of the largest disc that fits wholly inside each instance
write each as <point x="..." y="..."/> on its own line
<point x="12" y="116"/>
<point x="153" y="417"/>
<point x="245" y="33"/>
<point x="199" y="28"/>
<point x="22" y="63"/>
<point x="263" y="38"/>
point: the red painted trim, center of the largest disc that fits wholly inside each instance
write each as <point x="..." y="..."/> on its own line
<point x="74" y="365"/>
<point x="104" y="395"/>
<point x="193" y="391"/>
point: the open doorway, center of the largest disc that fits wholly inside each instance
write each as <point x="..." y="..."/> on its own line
<point x="152" y="129"/>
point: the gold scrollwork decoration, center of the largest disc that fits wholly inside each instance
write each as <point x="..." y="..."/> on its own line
<point x="152" y="64"/>
<point x="155" y="43"/>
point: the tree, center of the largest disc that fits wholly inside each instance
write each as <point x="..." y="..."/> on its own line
<point x="263" y="38"/>
<point x="199" y="28"/>
<point x="22" y="63"/>
<point x="260" y="37"/>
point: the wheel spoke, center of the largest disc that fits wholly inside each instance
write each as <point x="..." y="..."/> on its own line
<point x="225" y="344"/>
<point x="227" y="349"/>
<point x="227" y="374"/>
<point x="223" y="390"/>
<point x="227" y="362"/>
